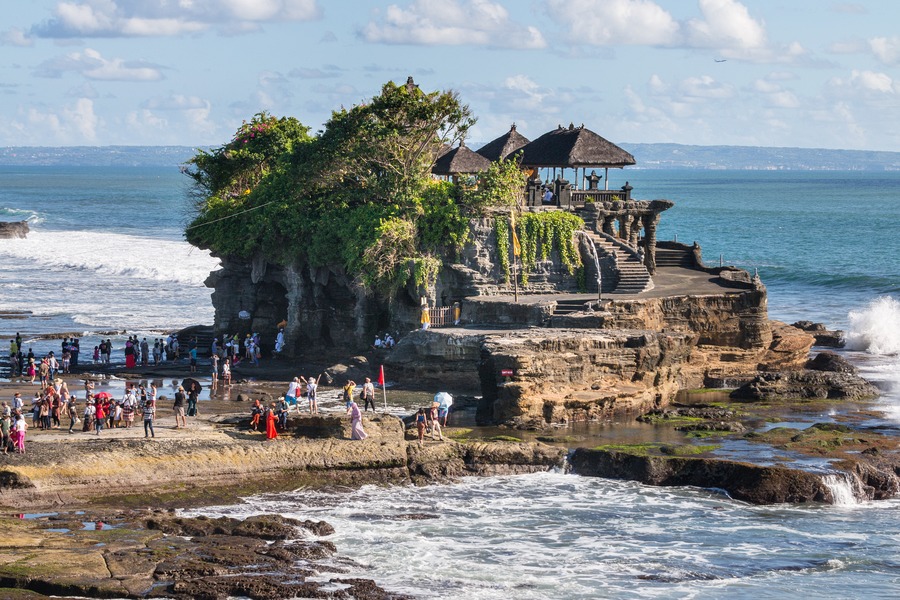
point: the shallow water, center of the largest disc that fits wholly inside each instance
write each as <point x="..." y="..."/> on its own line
<point x="551" y="535"/>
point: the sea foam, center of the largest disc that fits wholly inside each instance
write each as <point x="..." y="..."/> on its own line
<point x="111" y="254"/>
<point x="876" y="329"/>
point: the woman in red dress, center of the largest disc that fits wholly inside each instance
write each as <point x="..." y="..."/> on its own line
<point x="271" y="433"/>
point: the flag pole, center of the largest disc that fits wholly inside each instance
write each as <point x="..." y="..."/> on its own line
<point x="383" y="390"/>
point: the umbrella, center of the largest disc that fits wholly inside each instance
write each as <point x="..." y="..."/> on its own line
<point x="443" y="399"/>
<point x="188" y="382"/>
<point x="102" y="396"/>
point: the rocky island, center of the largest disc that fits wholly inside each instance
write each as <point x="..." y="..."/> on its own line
<point x="550" y="301"/>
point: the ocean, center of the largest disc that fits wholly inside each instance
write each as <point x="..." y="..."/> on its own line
<point x="106" y="252"/>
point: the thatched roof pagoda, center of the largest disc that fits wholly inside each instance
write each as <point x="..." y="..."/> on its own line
<point x="574" y="147"/>
<point x="460" y="160"/>
<point x="504" y="146"/>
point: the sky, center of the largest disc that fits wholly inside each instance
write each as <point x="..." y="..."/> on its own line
<point x="795" y="73"/>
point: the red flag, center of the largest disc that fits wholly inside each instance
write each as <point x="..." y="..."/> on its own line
<point x="381" y="376"/>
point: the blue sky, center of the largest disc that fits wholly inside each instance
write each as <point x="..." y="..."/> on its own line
<point x="806" y="73"/>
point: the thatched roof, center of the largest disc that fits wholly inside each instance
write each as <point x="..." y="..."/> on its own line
<point x="574" y="147"/>
<point x="460" y="160"/>
<point x="504" y="145"/>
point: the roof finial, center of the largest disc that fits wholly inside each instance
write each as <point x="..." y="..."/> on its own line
<point x="410" y="85"/>
<point x="512" y="127"/>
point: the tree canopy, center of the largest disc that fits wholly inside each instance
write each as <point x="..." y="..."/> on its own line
<point x="359" y="194"/>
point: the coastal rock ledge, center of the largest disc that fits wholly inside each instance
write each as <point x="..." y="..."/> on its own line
<point x="226" y="464"/>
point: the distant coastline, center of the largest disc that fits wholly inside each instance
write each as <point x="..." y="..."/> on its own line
<point x="649" y="156"/>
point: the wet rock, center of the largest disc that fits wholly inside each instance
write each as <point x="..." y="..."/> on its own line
<point x="257" y="587"/>
<point x="824" y="336"/>
<point x="743" y="481"/>
<point x="806" y="384"/>
<point x="366" y="589"/>
<point x="829" y="361"/>
<point x="13" y="229"/>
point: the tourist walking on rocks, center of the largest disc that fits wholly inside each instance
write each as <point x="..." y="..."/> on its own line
<point x="368" y="394"/>
<point x="72" y="412"/>
<point x="149" y="411"/>
<point x="226" y="372"/>
<point x="420" y="425"/>
<point x="271" y="432"/>
<point x="356" y="429"/>
<point x="178" y="407"/>
<point x="32" y="370"/>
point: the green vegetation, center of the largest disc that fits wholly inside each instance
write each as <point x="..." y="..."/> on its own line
<point x="539" y="234"/>
<point x="359" y="194"/>
<point x="504" y="438"/>
<point x="657" y="448"/>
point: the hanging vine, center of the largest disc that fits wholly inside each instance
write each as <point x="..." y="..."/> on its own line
<point x="501" y="230"/>
<point x="540" y="233"/>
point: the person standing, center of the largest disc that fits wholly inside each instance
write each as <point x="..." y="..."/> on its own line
<point x="89" y="412"/>
<point x="178" y="407"/>
<point x="193" y="354"/>
<point x="356" y="429"/>
<point x="435" y="422"/>
<point x="312" y="385"/>
<point x="226" y="372"/>
<point x="293" y="392"/>
<point x="149" y="411"/>
<point x="271" y="432"/>
<point x="214" y="368"/>
<point x="5" y="428"/>
<point x="368" y="394"/>
<point x="193" y="396"/>
<point x="145" y="352"/>
<point x="20" y="428"/>
<point x="99" y="416"/>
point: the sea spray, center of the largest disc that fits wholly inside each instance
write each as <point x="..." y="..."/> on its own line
<point x="841" y="487"/>
<point x="876" y="329"/>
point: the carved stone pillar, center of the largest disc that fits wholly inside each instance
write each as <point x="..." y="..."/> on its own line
<point x="651" y="221"/>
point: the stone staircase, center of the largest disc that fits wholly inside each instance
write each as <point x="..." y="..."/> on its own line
<point x="633" y="275"/>
<point x="670" y="257"/>
<point x="568" y="306"/>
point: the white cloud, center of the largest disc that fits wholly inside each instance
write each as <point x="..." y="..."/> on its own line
<point x="91" y="64"/>
<point x="72" y="124"/>
<point x="177" y="102"/>
<point x="138" y="18"/>
<point x="631" y="22"/>
<point x="887" y="50"/>
<point x="15" y="37"/>
<point x="452" y="23"/>
<point x="704" y="87"/>
<point x="872" y="81"/>
<point x="726" y="24"/>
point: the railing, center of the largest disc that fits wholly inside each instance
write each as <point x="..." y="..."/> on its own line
<point x="579" y="197"/>
<point x="442" y="316"/>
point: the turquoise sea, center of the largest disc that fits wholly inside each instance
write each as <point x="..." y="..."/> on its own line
<point x="106" y="253"/>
